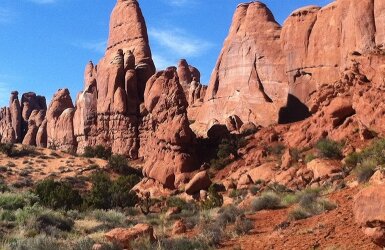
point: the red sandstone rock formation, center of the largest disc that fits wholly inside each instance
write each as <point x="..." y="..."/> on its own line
<point x="165" y="132"/>
<point x="60" y="129"/>
<point x="249" y="79"/>
<point x="189" y="78"/>
<point x="20" y="122"/>
<point x="263" y="66"/>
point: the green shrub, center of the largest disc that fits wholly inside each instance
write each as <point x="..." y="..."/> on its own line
<point x="7" y="148"/>
<point x="366" y="170"/>
<point x="40" y="242"/>
<point x="3" y="186"/>
<point x="267" y="200"/>
<point x="83" y="244"/>
<point x="110" y="217"/>
<point x="219" y="164"/>
<point x="276" y="149"/>
<point x="181" y="204"/>
<point x="329" y="149"/>
<point x="213" y="200"/>
<point x="28" y="213"/>
<point x="310" y="203"/>
<point x="97" y="152"/>
<point x="100" y="195"/>
<point x="58" y="195"/>
<point x="353" y="159"/>
<point x="182" y="244"/>
<point x="121" y="194"/>
<point x="106" y="194"/>
<point x="235" y="193"/>
<point x="375" y="152"/>
<point x="298" y="214"/>
<point x="254" y="189"/>
<point x="211" y="234"/>
<point x="226" y="148"/>
<point x="119" y="164"/>
<point x="243" y="226"/>
<point x="49" y="220"/>
<point x="228" y="215"/>
<point x="13" y="201"/>
<point x="7" y="215"/>
<point x="277" y="188"/>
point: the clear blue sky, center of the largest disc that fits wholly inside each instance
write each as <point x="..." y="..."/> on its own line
<point x="45" y="44"/>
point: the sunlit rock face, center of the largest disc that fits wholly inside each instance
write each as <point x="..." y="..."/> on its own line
<point x="267" y="74"/>
<point x="249" y="78"/>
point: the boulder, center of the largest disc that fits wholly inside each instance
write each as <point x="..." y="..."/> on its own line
<point x="201" y="181"/>
<point x="179" y="227"/>
<point x="244" y="182"/>
<point x="233" y="123"/>
<point x="323" y="169"/>
<point x="265" y="172"/>
<point x="369" y="212"/>
<point x="125" y="236"/>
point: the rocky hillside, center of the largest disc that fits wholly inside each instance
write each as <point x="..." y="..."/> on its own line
<point x="292" y="117"/>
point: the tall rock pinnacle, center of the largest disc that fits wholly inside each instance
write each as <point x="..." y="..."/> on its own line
<point x="249" y="78"/>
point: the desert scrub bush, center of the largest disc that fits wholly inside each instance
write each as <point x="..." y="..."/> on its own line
<point x="329" y="149"/>
<point x="40" y="242"/>
<point x="238" y="194"/>
<point x="112" y="218"/>
<point x="181" y="204"/>
<point x="182" y="243"/>
<point x="86" y="243"/>
<point x="254" y="189"/>
<point x="106" y="194"/>
<point x="58" y="195"/>
<point x="13" y="201"/>
<point x="7" y="148"/>
<point x="7" y="215"/>
<point x="268" y="200"/>
<point x="243" y="225"/>
<point x="99" y="196"/>
<point x="366" y="170"/>
<point x="3" y="186"/>
<point x="97" y="152"/>
<point x="277" y="188"/>
<point x="310" y="203"/>
<point x="276" y="149"/>
<point x="366" y="162"/>
<point x="228" y="215"/>
<point x="119" y="164"/>
<point x="121" y="194"/>
<point x="211" y="234"/>
<point x="226" y="148"/>
<point x="49" y="222"/>
<point x="214" y="199"/>
<point x="352" y="160"/>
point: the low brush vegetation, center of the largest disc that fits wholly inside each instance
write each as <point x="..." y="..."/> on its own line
<point x="10" y="150"/>
<point x="306" y="203"/>
<point x="227" y="152"/>
<point x="97" y="152"/>
<point x="329" y="149"/>
<point x="365" y="163"/>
